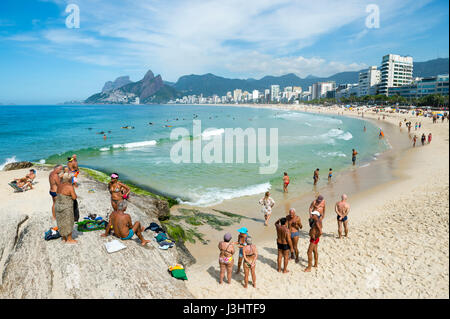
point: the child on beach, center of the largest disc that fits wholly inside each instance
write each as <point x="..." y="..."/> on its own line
<point x="330" y="174"/>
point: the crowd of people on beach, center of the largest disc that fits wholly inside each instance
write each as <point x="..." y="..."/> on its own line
<point x="288" y="235"/>
<point x="63" y="183"/>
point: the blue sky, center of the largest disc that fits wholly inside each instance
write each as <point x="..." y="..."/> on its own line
<point x="43" y="61"/>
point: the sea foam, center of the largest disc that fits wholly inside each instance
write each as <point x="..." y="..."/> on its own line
<point x="8" y="161"/>
<point x="214" y="196"/>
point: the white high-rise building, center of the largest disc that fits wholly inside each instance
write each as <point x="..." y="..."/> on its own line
<point x="396" y="71"/>
<point x="367" y="80"/>
<point x="237" y="94"/>
<point x="320" y="89"/>
<point x="255" y="94"/>
<point x="274" y="92"/>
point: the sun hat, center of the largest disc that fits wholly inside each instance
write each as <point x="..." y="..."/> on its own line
<point x="243" y="230"/>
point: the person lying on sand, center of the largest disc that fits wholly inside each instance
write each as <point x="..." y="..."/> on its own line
<point x="284" y="243"/>
<point x="342" y="208"/>
<point x="123" y="226"/>
<point x="250" y="256"/>
<point x="314" y="234"/>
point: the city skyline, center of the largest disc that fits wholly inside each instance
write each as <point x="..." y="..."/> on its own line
<point x="43" y="61"/>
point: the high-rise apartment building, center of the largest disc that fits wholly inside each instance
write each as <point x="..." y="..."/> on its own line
<point x="274" y="92"/>
<point x="320" y="89"/>
<point x="368" y="80"/>
<point x="396" y="71"/>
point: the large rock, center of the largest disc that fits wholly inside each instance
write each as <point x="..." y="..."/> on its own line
<point x="17" y="165"/>
<point x="31" y="267"/>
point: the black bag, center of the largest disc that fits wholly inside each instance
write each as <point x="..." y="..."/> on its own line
<point x="76" y="211"/>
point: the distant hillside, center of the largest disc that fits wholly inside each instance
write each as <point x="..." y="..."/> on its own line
<point x="150" y="89"/>
<point x="209" y="84"/>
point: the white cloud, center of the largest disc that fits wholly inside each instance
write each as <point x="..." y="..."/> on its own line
<point x="252" y="37"/>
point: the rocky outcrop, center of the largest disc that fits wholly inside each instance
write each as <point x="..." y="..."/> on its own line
<point x="34" y="268"/>
<point x="117" y="83"/>
<point x="150" y="89"/>
<point x="17" y="165"/>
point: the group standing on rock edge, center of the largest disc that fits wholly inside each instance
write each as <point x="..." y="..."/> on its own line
<point x="63" y="182"/>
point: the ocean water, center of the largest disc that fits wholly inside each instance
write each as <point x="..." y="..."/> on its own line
<point x="142" y="154"/>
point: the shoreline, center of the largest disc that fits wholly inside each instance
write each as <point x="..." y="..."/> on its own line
<point x="370" y="209"/>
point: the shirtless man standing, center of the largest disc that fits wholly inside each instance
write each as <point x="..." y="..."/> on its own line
<point x="314" y="234"/>
<point x="318" y="205"/>
<point x="54" y="181"/>
<point x="284" y="243"/>
<point x="123" y="226"/>
<point x="342" y="208"/>
<point x="294" y="225"/>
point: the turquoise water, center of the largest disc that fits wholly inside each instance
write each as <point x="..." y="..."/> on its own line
<point x="142" y="155"/>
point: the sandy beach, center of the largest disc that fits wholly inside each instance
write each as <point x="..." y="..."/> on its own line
<point x="398" y="238"/>
<point x="397" y="245"/>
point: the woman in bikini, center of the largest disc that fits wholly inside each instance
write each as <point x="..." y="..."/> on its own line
<point x="250" y="256"/>
<point x="118" y="190"/>
<point x="226" y="260"/>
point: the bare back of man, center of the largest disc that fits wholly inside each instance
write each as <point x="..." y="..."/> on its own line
<point x="124" y="227"/>
<point x="342" y="209"/>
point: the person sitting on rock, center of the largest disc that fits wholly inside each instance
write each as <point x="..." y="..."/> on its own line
<point x="122" y="225"/>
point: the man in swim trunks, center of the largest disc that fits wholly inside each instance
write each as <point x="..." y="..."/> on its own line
<point x="314" y="234"/>
<point x="342" y="208"/>
<point x="54" y="180"/>
<point x="284" y="243"/>
<point x="226" y="260"/>
<point x="316" y="176"/>
<point x="285" y="182"/>
<point x="123" y="226"/>
<point x="354" y="153"/>
<point x="294" y="225"/>
<point x="318" y="205"/>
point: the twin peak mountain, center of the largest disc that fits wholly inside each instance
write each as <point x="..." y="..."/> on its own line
<point x="150" y="89"/>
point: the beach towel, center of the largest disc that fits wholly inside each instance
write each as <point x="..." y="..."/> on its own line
<point x="52" y="233"/>
<point x="178" y="272"/>
<point x="113" y="246"/>
<point x="16" y="188"/>
<point x="91" y="225"/>
<point x="161" y="237"/>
